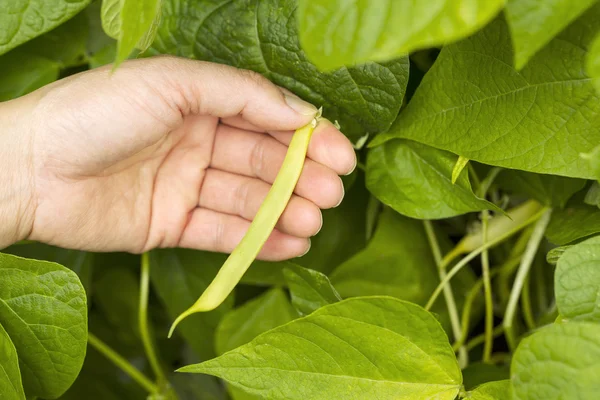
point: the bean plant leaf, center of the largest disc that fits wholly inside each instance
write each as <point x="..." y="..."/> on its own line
<point x="179" y="276"/>
<point x="416" y="180"/>
<point x="472" y="102"/>
<point x="132" y="22"/>
<point x="556" y="253"/>
<point x="398" y="262"/>
<point x="551" y="190"/>
<point x="347" y="32"/>
<point x="558" y="362"/>
<point x="363" y="99"/>
<point x="577" y="281"/>
<point x="310" y="289"/>
<point x="43" y="309"/>
<point x="326" y="352"/>
<point x="492" y="391"/>
<point x="573" y="223"/>
<point x="533" y="23"/>
<point x="23" y="20"/>
<point x="593" y="62"/>
<point x="11" y="387"/>
<point x="259" y="315"/>
<point x="478" y="373"/>
<point x="592" y="197"/>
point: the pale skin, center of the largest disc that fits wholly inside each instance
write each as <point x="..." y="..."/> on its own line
<point x="165" y="152"/>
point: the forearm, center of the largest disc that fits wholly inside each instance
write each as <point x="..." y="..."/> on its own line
<point x="16" y="184"/>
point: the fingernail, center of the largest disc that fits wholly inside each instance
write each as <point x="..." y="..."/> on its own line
<point x="300" y="106"/>
<point x="320" y="226"/>
<point x="343" y="193"/>
<point x="353" y="167"/>
<point x="307" y="250"/>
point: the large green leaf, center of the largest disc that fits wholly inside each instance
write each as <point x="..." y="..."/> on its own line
<point x="478" y="373"/>
<point x="416" y="180"/>
<point x="23" y="20"/>
<point x="132" y="22"/>
<point x="577" y="281"/>
<point x="533" y="23"/>
<point x="551" y="190"/>
<point x="335" y="33"/>
<point x="492" y="391"/>
<point x="39" y="61"/>
<point x="261" y="35"/>
<point x="243" y="324"/>
<point x="329" y="352"/>
<point x="43" y="309"/>
<point x="474" y="103"/>
<point x="11" y="387"/>
<point x="398" y="262"/>
<point x="573" y="223"/>
<point x="310" y="289"/>
<point x="558" y="362"/>
<point x="179" y="277"/>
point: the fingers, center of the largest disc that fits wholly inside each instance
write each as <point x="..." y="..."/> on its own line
<point x="214" y="231"/>
<point x="328" y="146"/>
<point x="260" y="156"/>
<point x="242" y="196"/>
<point x="223" y="91"/>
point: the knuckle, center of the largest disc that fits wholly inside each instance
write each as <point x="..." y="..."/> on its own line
<point x="257" y="157"/>
<point x="242" y="194"/>
<point x="253" y="78"/>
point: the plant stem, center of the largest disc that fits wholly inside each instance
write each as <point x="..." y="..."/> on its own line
<point x="123" y="364"/>
<point x="487" y="292"/>
<point x="524" y="267"/>
<point x="463" y="359"/>
<point x="478" y="251"/>
<point x="143" y="320"/>
<point x="477" y="340"/>
<point x="526" y="305"/>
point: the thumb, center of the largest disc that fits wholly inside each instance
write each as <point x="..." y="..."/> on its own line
<point x="224" y="91"/>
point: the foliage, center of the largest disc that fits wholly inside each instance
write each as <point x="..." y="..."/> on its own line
<point x="479" y="182"/>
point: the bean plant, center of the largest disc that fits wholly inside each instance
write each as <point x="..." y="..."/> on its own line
<point x="464" y="261"/>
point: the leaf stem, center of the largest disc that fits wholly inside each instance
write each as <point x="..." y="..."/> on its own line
<point x="487" y="292"/>
<point x="479" y="339"/>
<point x="463" y="359"/>
<point x="143" y="320"/>
<point x="524" y="267"/>
<point x="478" y="251"/>
<point x="526" y="305"/>
<point x="123" y="364"/>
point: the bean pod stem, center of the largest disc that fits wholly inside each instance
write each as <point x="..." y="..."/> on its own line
<point x="260" y="229"/>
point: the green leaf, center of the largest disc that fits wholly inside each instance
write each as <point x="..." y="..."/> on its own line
<point x="179" y="277"/>
<point x="550" y="190"/>
<point x="398" y="262"/>
<point x="593" y="62"/>
<point x="593" y="161"/>
<point x="23" y="20"/>
<point x="478" y="373"/>
<point x="577" y="281"/>
<point x="11" y="387"/>
<point x="243" y="324"/>
<point x="558" y="362"/>
<point x="43" y="309"/>
<point x="39" y="61"/>
<point x="555" y="254"/>
<point x="461" y="163"/>
<point x="132" y="22"/>
<point x="533" y="23"/>
<point x="472" y="102"/>
<point x="492" y="391"/>
<point x="416" y="180"/>
<point x="573" y="223"/>
<point x="592" y="197"/>
<point x="310" y="289"/>
<point x="328" y="352"/>
<point x="347" y="32"/>
<point x="364" y="99"/>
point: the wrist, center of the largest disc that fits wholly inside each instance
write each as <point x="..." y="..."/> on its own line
<point x="17" y="207"/>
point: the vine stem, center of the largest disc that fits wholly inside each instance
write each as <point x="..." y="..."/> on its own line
<point x="475" y="253"/>
<point x="523" y="271"/>
<point x="123" y="364"/>
<point x="143" y="320"/>
<point x="463" y="356"/>
<point x="487" y="292"/>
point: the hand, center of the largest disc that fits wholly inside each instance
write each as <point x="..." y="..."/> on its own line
<point x="168" y="152"/>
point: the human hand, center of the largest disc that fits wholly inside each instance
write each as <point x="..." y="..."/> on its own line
<point x="166" y="152"/>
